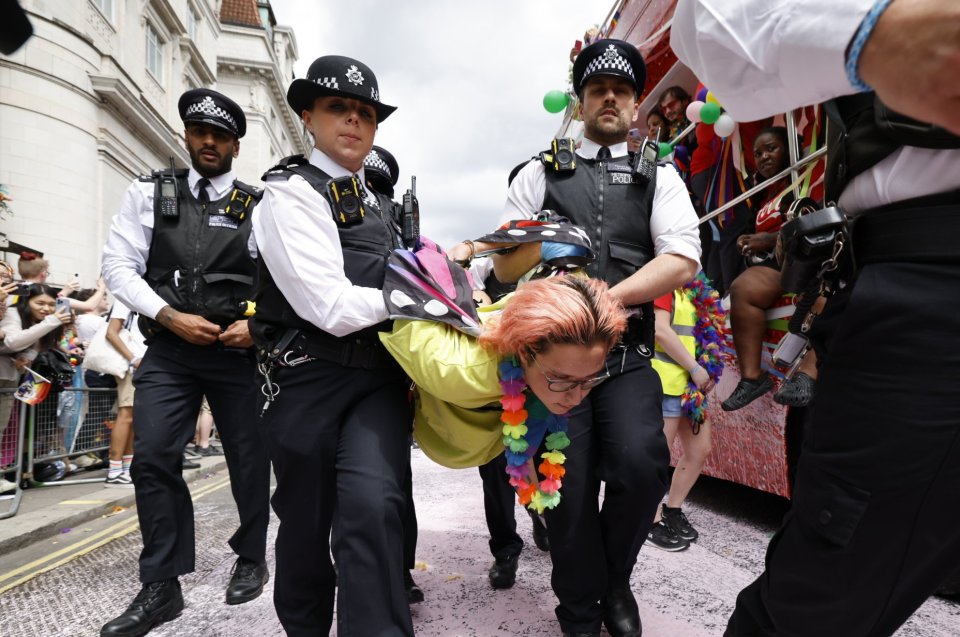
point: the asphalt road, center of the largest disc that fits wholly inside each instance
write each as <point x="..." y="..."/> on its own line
<point x="72" y="583"/>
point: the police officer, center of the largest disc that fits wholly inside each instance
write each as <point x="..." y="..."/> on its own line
<point x="873" y="529"/>
<point x="336" y="415"/>
<point x="180" y="252"/>
<point x="383" y="172"/>
<point x="645" y="229"/>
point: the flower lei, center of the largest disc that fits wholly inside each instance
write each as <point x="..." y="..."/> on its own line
<point x="712" y="344"/>
<point x="523" y="431"/>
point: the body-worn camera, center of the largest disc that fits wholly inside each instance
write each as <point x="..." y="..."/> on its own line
<point x="238" y="205"/>
<point x="810" y="243"/>
<point x="346" y="201"/>
<point x="562" y="156"/>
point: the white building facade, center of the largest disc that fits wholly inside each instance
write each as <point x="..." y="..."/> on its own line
<point x="90" y="102"/>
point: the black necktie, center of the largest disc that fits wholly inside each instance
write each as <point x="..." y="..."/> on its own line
<point x="202" y="195"/>
<point x="603" y="153"/>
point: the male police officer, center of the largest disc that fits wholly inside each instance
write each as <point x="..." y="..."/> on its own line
<point x="337" y="416"/>
<point x="873" y="529"/>
<point x="180" y="252"/>
<point x="645" y="230"/>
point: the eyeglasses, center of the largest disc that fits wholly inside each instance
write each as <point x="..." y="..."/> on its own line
<point x="561" y="386"/>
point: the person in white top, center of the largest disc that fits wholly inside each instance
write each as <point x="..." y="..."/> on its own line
<point x="181" y="253"/>
<point x="337" y="414"/>
<point x="644" y="229"/>
<point x="873" y="528"/>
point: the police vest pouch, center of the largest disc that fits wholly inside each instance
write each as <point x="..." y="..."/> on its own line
<point x="809" y="242"/>
<point x="346" y="200"/>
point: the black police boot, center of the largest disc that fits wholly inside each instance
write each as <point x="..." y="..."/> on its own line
<point x="157" y="602"/>
<point x="540" y="537"/>
<point x="414" y="592"/>
<point x="247" y="580"/>
<point x="503" y="573"/>
<point x="620" y="613"/>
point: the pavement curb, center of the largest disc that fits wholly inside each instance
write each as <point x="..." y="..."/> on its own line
<point x="34" y="526"/>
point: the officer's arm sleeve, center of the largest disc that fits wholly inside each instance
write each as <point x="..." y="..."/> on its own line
<point x="763" y="57"/>
<point x="299" y="243"/>
<point x="525" y="197"/>
<point x="126" y="251"/>
<point x="673" y="222"/>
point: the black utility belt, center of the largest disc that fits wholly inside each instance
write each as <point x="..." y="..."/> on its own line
<point x="304" y="347"/>
<point x="908" y="233"/>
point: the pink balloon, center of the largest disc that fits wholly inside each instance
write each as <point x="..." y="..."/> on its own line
<point x="693" y="111"/>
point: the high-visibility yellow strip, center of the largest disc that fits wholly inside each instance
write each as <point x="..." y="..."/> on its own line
<point x="84" y="546"/>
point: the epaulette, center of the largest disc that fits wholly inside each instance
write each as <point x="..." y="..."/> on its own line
<point x="282" y="169"/>
<point x="157" y="174"/>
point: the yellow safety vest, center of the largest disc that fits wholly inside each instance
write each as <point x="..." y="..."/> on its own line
<point x="682" y="319"/>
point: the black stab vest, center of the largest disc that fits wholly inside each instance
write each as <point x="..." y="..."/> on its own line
<point x="366" y="246"/>
<point x="862" y="132"/>
<point x="613" y="207"/>
<point x="199" y="262"/>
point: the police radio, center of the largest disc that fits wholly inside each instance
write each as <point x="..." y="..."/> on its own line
<point x="166" y="193"/>
<point x="410" y="220"/>
<point x="645" y="161"/>
<point x="346" y="201"/>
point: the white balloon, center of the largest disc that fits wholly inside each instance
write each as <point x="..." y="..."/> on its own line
<point x="724" y="126"/>
<point x="693" y="111"/>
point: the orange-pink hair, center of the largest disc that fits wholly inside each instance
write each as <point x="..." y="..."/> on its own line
<point x="566" y="309"/>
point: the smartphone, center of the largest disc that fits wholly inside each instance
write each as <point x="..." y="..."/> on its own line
<point x="63" y="304"/>
<point x="578" y="45"/>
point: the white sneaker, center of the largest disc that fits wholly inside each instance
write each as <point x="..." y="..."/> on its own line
<point x="6" y="485"/>
<point x="119" y="480"/>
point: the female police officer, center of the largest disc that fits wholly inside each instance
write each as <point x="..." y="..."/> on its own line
<point x="337" y="415"/>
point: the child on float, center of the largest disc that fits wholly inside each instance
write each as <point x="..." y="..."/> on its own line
<point x="690" y="335"/>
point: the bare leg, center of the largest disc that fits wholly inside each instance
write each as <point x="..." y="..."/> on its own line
<point x="670" y="432"/>
<point x="121" y="437"/>
<point x="752" y="293"/>
<point x="696" y="448"/>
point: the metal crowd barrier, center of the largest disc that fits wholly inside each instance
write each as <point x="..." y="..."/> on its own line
<point x="68" y="424"/>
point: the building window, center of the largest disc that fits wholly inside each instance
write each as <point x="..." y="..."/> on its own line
<point x="193" y="22"/>
<point x="154" y="53"/>
<point x="106" y="8"/>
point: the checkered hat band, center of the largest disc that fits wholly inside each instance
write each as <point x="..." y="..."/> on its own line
<point x="608" y="63"/>
<point x="208" y="108"/>
<point x="329" y="82"/>
<point x="374" y="162"/>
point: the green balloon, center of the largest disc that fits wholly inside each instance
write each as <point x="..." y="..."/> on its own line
<point x="710" y="113"/>
<point x="555" y="101"/>
<point x="665" y="149"/>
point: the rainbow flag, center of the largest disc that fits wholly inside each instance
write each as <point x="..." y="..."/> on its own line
<point x="33" y="389"/>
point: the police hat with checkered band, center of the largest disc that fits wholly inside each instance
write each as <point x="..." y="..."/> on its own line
<point x="382" y="170"/>
<point x="610" y="57"/>
<point x="209" y="107"/>
<point x="337" y="75"/>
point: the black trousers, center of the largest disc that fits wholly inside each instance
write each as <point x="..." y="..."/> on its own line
<point x="171" y="382"/>
<point x="498" y="507"/>
<point x="873" y="527"/>
<point x="409" y="519"/>
<point x="338" y="439"/>
<point x="616" y="436"/>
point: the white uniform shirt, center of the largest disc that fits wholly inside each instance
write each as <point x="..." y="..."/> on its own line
<point x="298" y="240"/>
<point x="673" y="221"/>
<point x="128" y="244"/>
<point x="763" y="57"/>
